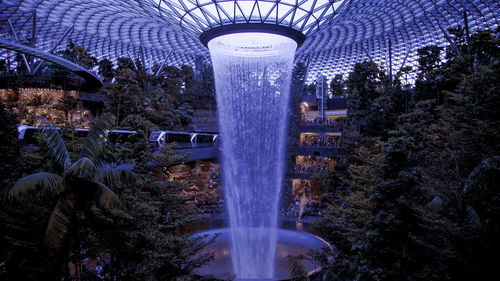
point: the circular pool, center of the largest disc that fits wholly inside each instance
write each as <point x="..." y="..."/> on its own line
<point x="290" y="243"/>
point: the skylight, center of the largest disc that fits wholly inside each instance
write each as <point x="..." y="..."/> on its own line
<point x="201" y="15"/>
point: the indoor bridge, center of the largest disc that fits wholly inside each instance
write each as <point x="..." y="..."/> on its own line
<point x="90" y="77"/>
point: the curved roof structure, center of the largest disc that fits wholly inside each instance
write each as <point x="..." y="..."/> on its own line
<point x="201" y="15"/>
<point x="339" y="32"/>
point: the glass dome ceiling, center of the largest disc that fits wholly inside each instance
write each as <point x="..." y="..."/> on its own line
<point x="339" y="33"/>
<point x="201" y="15"/>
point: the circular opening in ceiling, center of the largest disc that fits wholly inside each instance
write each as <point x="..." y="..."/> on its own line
<point x="252" y="44"/>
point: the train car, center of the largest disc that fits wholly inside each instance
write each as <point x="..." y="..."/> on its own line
<point x="28" y="135"/>
<point x="162" y="138"/>
<point x="119" y="137"/>
<point x="183" y="140"/>
<point x="216" y="140"/>
<point x="203" y="140"/>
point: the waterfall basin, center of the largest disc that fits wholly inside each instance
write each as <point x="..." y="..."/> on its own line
<point x="290" y="243"/>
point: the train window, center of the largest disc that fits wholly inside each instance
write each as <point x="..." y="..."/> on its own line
<point x="124" y="138"/>
<point x="113" y="137"/>
<point x="81" y="133"/>
<point x="154" y="136"/>
<point x="120" y="137"/>
<point x="204" y="138"/>
<point x="31" y="136"/>
<point x="178" y="138"/>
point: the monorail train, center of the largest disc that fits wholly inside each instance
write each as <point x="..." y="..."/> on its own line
<point x="28" y="135"/>
<point x="183" y="140"/>
<point x="119" y="137"/>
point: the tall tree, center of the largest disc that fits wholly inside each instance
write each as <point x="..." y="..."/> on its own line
<point x="337" y="86"/>
<point x="408" y="210"/>
<point x="106" y="69"/>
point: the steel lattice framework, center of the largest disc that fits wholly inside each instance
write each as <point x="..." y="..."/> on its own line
<point x="201" y="15"/>
<point x="339" y="32"/>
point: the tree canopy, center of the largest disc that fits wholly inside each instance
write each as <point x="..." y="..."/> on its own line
<point x="406" y="209"/>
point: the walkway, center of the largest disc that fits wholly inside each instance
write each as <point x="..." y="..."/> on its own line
<point x="92" y="79"/>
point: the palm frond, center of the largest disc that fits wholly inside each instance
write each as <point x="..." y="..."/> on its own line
<point x="83" y="169"/>
<point x="296" y="267"/>
<point x="106" y="199"/>
<point x="59" y="222"/>
<point x="54" y="142"/>
<point x="472" y="216"/>
<point x="476" y="178"/>
<point x="93" y="144"/>
<point x="115" y="177"/>
<point x="43" y="182"/>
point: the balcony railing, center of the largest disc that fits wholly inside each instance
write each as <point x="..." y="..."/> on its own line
<point x="317" y="150"/>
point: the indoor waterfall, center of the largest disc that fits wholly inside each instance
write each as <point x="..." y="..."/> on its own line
<point x="252" y="74"/>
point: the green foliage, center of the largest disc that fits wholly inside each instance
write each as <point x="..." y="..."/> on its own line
<point x="165" y="101"/>
<point x="93" y="144"/>
<point x="123" y="96"/>
<point x="144" y="241"/>
<point x="76" y="189"/>
<point x="41" y="182"/>
<point x="9" y="146"/>
<point x="337" y="86"/>
<point x="79" y="54"/>
<point x="106" y="69"/>
<point x="296" y="268"/>
<point x="419" y="193"/>
<point x="92" y="199"/>
<point x="369" y="103"/>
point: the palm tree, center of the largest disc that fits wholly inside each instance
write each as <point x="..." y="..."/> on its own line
<point x="81" y="183"/>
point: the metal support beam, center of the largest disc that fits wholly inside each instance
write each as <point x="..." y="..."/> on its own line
<point x="467" y="33"/>
<point x="133" y="62"/>
<point x="40" y="63"/>
<point x="157" y="74"/>
<point x="90" y="77"/>
<point x="364" y="50"/>
<point x="17" y="41"/>
<point x="33" y="35"/>
<point x="33" y="30"/>
<point x="448" y="38"/>
<point x="443" y="30"/>
<point x="143" y="57"/>
<point x="13" y="30"/>
<point x="406" y="57"/>
<point x="308" y="66"/>
<point x="387" y="60"/>
<point x="390" y="60"/>
<point x="65" y="33"/>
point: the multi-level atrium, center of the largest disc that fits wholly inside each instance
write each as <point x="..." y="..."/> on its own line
<point x="351" y="139"/>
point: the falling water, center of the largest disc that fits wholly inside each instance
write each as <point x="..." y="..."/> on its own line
<point x="252" y="78"/>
